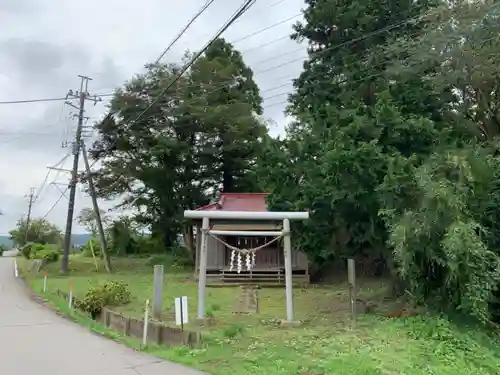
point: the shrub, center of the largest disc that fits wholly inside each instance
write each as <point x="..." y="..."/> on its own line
<point x="87" y="249"/>
<point x="117" y="293"/>
<point x="149" y="245"/>
<point x="233" y="330"/>
<point x="182" y="257"/>
<point x="175" y="257"/>
<point x="27" y="250"/>
<point x="93" y="302"/>
<point x="112" y="293"/>
<point x="47" y="255"/>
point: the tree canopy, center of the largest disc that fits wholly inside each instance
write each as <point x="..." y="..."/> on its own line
<point x="39" y="230"/>
<point x="201" y="136"/>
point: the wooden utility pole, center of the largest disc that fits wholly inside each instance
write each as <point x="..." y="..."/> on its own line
<point x="82" y="95"/>
<point x="31" y="196"/>
<point x="102" y="236"/>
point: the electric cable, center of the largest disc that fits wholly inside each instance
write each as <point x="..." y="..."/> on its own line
<point x="310" y="56"/>
<point x="47" y="178"/>
<point x="55" y="204"/>
<point x="41" y="100"/>
<point x="265" y="29"/>
<point x="247" y="5"/>
<point x="183" y="31"/>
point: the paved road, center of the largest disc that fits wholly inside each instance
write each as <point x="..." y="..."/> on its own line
<point x="33" y="340"/>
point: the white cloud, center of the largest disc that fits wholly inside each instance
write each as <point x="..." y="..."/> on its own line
<point x="45" y="45"/>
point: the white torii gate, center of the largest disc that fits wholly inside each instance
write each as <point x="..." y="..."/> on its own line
<point x="246" y="215"/>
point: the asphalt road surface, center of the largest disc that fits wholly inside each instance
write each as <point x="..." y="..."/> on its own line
<point x="34" y="340"/>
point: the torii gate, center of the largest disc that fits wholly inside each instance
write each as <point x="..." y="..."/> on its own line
<point x="246" y="215"/>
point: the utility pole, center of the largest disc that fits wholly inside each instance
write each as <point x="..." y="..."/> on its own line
<point x="102" y="236"/>
<point x="31" y="197"/>
<point x="82" y="95"/>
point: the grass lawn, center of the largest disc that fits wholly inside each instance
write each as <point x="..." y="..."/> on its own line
<point x="324" y="344"/>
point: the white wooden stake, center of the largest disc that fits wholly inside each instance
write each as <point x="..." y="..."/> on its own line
<point x="45" y="283"/>
<point x="145" y="328"/>
<point x="70" y="300"/>
<point x="287" y="242"/>
<point x="202" y="275"/>
<point x="16" y="270"/>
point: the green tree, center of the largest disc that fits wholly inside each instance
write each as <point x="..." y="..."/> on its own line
<point x="461" y="47"/>
<point x="351" y="123"/>
<point x="88" y="219"/>
<point x="225" y="102"/>
<point x="39" y="231"/>
<point x="389" y="159"/>
<point x="200" y="136"/>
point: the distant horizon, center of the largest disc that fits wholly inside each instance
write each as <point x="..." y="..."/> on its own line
<point x="73" y="234"/>
<point x="76" y="239"/>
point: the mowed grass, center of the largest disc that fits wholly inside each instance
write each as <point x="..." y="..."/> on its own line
<point x="323" y="344"/>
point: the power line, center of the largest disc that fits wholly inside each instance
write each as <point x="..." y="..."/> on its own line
<point x="315" y="55"/>
<point x="32" y="101"/>
<point x="177" y="38"/>
<point x="42" y="100"/>
<point x="415" y="65"/>
<point x="55" y="204"/>
<point x="261" y="10"/>
<point x="310" y="56"/>
<point x="246" y="5"/>
<point x="183" y="31"/>
<point x="39" y="191"/>
<point x="236" y="15"/>
<point x="266" y="28"/>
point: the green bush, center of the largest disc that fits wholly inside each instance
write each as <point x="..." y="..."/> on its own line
<point x="175" y="257"/>
<point x="87" y="249"/>
<point x="30" y="249"/>
<point x="93" y="302"/>
<point x="233" y="330"/>
<point x="47" y="255"/>
<point x="149" y="245"/>
<point x="117" y="293"/>
<point x="27" y="249"/>
<point x="112" y="293"/>
<point x="182" y="257"/>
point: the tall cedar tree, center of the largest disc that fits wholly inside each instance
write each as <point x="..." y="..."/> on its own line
<point x="352" y="121"/>
<point x="200" y="136"/>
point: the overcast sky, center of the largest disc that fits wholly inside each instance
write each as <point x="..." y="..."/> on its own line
<point x="44" y="45"/>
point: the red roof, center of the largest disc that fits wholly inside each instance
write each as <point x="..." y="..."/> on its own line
<point x="239" y="202"/>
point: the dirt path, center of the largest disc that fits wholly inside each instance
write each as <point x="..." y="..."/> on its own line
<point x="34" y="340"/>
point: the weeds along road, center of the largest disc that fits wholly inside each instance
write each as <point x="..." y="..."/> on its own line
<point x="34" y="340"/>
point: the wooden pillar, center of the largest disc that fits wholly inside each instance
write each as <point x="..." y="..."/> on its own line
<point x="197" y="250"/>
<point x="202" y="276"/>
<point x="287" y="241"/>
